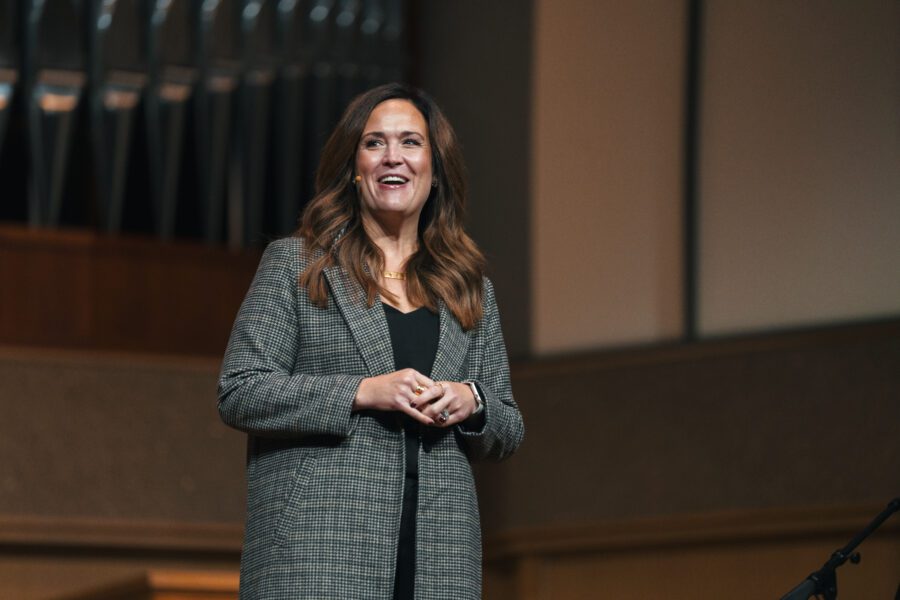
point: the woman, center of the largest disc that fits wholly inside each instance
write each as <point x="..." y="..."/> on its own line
<point x="368" y="368"/>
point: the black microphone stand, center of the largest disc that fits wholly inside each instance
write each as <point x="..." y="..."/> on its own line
<point x="824" y="581"/>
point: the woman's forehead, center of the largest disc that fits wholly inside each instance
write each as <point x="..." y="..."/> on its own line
<point x="396" y="115"/>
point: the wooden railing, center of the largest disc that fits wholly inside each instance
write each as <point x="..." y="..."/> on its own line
<point x="167" y="585"/>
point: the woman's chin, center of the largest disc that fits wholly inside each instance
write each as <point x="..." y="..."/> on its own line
<point x="395" y="210"/>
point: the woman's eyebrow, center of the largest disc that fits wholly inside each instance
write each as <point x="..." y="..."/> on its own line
<point x="400" y="134"/>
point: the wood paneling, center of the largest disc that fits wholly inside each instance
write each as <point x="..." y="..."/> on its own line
<point x="82" y="290"/>
<point x="739" y="555"/>
<point x="791" y="419"/>
<point x="51" y="557"/>
<point x="31" y="532"/>
<point x="167" y="585"/>
<point x="44" y="576"/>
<point x="681" y="531"/>
<point x="116" y="436"/>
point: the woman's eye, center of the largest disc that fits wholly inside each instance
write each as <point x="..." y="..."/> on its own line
<point x="412" y="142"/>
<point x="372" y="143"/>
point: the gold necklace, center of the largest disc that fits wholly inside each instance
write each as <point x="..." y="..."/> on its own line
<point x="393" y="275"/>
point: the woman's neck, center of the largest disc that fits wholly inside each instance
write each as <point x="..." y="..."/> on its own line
<point x="397" y="244"/>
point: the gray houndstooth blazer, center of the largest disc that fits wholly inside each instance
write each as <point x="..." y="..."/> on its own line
<point x="324" y="484"/>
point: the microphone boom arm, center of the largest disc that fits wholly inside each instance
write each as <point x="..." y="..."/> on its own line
<point x="824" y="581"/>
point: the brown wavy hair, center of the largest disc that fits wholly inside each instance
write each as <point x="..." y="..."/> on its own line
<point x="448" y="266"/>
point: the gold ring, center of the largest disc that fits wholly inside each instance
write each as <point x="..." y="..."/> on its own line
<point x="418" y="391"/>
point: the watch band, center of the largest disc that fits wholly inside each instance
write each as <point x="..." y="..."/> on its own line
<point x="479" y="403"/>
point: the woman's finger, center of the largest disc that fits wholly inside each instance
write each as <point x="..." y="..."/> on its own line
<point x="450" y="408"/>
<point x="433" y="410"/>
<point x="448" y="417"/>
<point x="427" y="395"/>
<point x="415" y="414"/>
<point x="417" y="383"/>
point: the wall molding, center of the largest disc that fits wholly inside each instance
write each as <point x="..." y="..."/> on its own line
<point x="726" y="527"/>
<point x="680" y="352"/>
<point x="110" y="359"/>
<point x="118" y="534"/>
<point x="158" y="583"/>
<point x="738" y="526"/>
<point x="522" y="370"/>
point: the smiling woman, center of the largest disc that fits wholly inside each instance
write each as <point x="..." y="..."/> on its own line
<point x="368" y="367"/>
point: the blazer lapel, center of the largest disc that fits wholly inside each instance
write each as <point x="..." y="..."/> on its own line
<point x="368" y="325"/>
<point x="373" y="338"/>
<point x="453" y="343"/>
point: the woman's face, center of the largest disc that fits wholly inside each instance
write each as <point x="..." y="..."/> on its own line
<point x="393" y="161"/>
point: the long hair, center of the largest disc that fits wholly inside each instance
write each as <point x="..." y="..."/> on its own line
<point x="448" y="266"/>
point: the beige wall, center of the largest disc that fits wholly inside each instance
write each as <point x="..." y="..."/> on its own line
<point x="607" y="114"/>
<point x="800" y="169"/>
<point x="799" y="197"/>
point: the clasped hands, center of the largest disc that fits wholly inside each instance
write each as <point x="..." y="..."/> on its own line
<point x="437" y="403"/>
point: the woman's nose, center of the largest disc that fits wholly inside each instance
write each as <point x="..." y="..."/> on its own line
<point x="391" y="154"/>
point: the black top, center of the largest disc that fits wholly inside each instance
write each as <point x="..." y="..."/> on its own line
<point x="414" y="340"/>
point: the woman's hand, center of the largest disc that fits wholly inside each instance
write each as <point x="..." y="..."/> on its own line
<point x="405" y="391"/>
<point x="455" y="406"/>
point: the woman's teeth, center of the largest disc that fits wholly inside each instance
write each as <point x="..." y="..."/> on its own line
<point x="392" y="180"/>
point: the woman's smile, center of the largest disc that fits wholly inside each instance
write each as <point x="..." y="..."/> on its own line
<point x="392" y="182"/>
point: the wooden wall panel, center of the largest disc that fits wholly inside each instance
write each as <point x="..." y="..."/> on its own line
<point x="792" y="419"/>
<point x="116" y="436"/>
<point x="738" y="555"/>
<point x="167" y="585"/>
<point x="82" y="290"/>
<point x="712" y="573"/>
<point x="48" y="557"/>
<point x="50" y="575"/>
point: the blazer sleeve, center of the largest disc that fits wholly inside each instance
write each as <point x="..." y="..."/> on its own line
<point x="502" y="428"/>
<point x="258" y="391"/>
